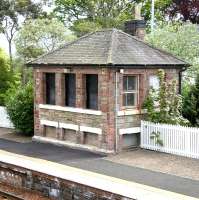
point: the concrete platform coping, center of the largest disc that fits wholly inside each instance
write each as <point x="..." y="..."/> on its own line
<point x="110" y="184"/>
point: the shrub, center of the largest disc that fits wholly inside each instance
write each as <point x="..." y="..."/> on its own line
<point x="165" y="105"/>
<point x="20" y="108"/>
<point x="191" y="103"/>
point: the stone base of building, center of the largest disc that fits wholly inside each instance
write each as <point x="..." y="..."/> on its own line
<point x="70" y="144"/>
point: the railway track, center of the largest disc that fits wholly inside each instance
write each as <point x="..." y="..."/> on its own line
<point x="9" y="196"/>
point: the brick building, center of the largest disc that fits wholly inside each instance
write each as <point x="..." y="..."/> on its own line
<point x="89" y="93"/>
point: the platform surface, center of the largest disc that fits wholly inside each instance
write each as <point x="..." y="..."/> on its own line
<point x="95" y="163"/>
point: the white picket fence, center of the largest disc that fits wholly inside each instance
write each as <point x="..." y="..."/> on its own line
<point x="177" y="140"/>
<point x="4" y="119"/>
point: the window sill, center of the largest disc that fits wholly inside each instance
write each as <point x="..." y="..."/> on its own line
<point x="131" y="112"/>
<point x="70" y="109"/>
<point x="129" y="130"/>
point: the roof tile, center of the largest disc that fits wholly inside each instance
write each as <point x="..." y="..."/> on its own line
<point x="108" y="47"/>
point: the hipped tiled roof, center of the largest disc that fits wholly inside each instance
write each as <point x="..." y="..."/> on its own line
<point x="110" y="47"/>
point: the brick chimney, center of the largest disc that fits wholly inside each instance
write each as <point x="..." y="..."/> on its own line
<point x="137" y="26"/>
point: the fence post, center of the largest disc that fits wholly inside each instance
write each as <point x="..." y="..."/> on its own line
<point x="4" y="118"/>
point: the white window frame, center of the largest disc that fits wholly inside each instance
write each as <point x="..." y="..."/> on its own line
<point x="136" y="91"/>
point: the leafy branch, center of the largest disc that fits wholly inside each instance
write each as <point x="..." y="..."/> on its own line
<point x="156" y="136"/>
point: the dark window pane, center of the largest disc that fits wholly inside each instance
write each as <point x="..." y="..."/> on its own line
<point x="125" y="83"/>
<point x="92" y="91"/>
<point x="131" y="83"/>
<point x="124" y="100"/>
<point x="50" y="88"/>
<point x="70" y="90"/>
<point x="130" y="99"/>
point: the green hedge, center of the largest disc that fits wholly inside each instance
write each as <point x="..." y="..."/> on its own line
<point x="20" y="109"/>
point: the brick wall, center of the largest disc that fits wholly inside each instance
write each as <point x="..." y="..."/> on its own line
<point x="106" y="102"/>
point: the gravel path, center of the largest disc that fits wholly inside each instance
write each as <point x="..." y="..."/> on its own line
<point x="9" y="134"/>
<point x="159" y="162"/>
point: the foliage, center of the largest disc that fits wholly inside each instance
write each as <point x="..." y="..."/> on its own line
<point x="6" y="77"/>
<point x="11" y="13"/>
<point x="160" y="9"/>
<point x="186" y="9"/>
<point x="94" y="13"/>
<point x="19" y="105"/>
<point x="24" y="73"/>
<point x="181" y="40"/>
<point x="191" y="103"/>
<point x="156" y="137"/>
<point x="174" y="10"/>
<point x="82" y="27"/>
<point x="40" y="36"/>
<point x="164" y="105"/>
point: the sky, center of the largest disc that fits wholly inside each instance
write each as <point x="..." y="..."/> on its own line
<point x="4" y="43"/>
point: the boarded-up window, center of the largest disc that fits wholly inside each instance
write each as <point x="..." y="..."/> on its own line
<point x="70" y="90"/>
<point x="50" y="88"/>
<point x="154" y="82"/>
<point x="130" y="90"/>
<point x="92" y="91"/>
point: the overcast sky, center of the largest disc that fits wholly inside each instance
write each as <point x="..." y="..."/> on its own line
<point x="3" y="43"/>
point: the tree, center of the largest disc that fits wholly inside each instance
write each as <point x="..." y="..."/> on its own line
<point x="186" y="9"/>
<point x="40" y="36"/>
<point x="173" y="10"/>
<point x="11" y="13"/>
<point x="191" y="103"/>
<point x="6" y="77"/>
<point x="165" y="105"/>
<point x="94" y="13"/>
<point x="160" y="9"/>
<point x="181" y="40"/>
<point x="82" y="27"/>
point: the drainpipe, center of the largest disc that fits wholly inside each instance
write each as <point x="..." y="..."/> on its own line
<point x="180" y="79"/>
<point x="116" y="111"/>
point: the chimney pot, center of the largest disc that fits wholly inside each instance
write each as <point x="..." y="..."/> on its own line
<point x="136" y="27"/>
<point x="138" y="8"/>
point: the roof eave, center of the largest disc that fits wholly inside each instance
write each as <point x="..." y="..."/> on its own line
<point x="170" y="66"/>
<point x="111" y="65"/>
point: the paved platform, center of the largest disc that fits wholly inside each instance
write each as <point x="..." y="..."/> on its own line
<point x="159" y="162"/>
<point x="9" y="134"/>
<point x="47" y="151"/>
<point x="96" y="163"/>
<point x="110" y="184"/>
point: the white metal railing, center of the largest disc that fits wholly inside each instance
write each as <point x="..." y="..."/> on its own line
<point x="4" y="119"/>
<point x="175" y="139"/>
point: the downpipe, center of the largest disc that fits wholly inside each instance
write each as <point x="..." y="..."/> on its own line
<point x="116" y="111"/>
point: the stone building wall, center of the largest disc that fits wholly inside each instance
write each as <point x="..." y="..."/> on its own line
<point x="104" y="121"/>
<point x="129" y="118"/>
<point x="52" y="187"/>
